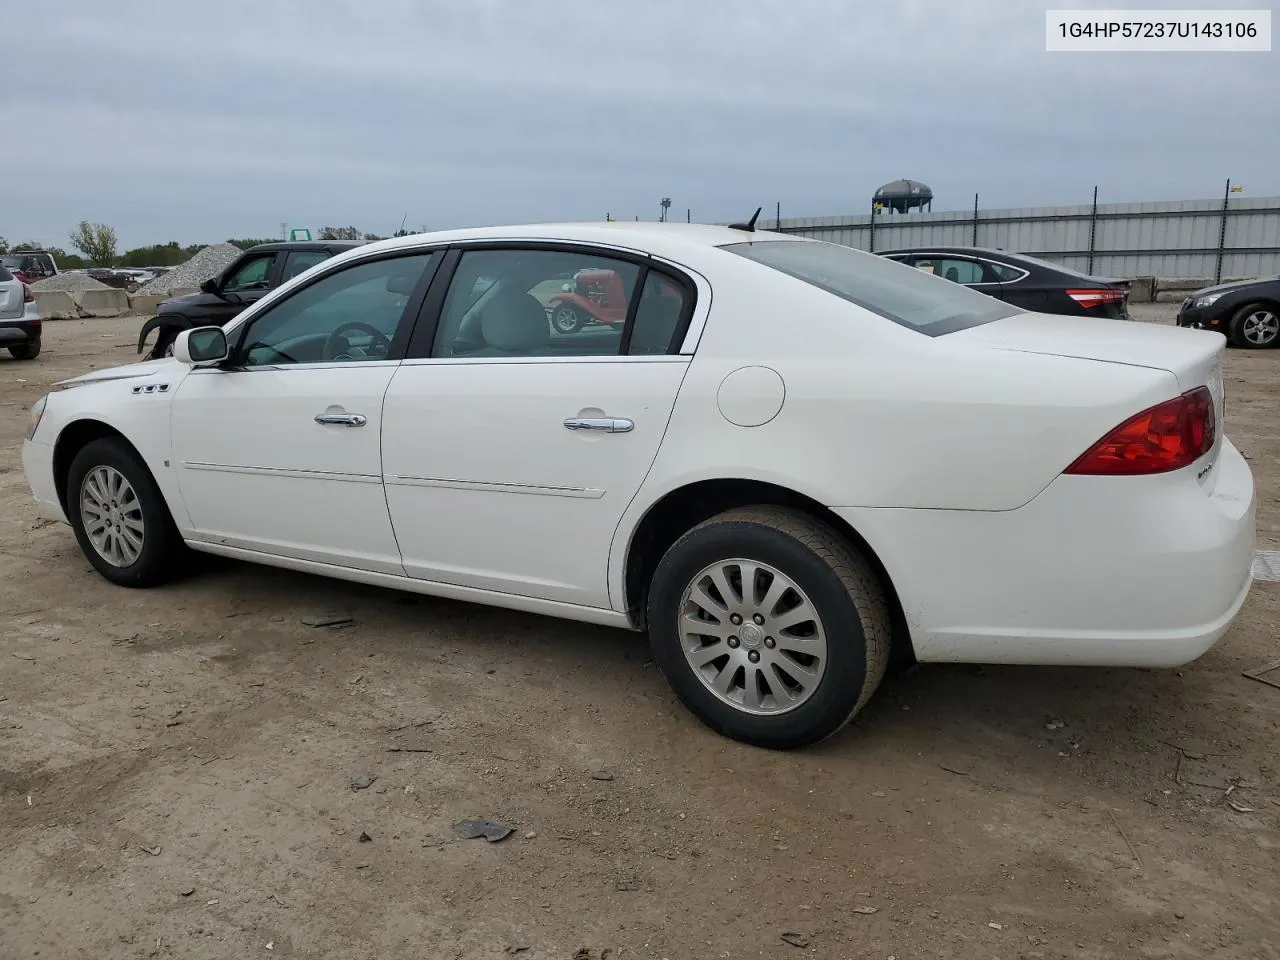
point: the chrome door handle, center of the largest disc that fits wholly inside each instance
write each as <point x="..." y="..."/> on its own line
<point x="603" y="424"/>
<point x="343" y="419"/>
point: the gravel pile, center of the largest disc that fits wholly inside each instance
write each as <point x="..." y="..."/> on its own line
<point x="209" y="262"/>
<point x="68" y="282"/>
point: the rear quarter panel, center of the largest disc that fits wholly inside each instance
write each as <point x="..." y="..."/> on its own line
<point x="877" y="415"/>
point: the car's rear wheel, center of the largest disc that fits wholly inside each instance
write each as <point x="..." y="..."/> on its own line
<point x="769" y="626"/>
<point x="1255" y="327"/>
<point x="566" y="318"/>
<point x="119" y="516"/>
<point x="25" y="351"/>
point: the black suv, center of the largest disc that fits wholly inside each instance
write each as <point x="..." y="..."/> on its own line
<point x="250" y="276"/>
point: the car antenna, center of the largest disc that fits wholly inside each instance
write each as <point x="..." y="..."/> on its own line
<point x="750" y="225"/>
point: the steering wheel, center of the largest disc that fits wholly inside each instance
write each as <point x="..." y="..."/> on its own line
<point x="336" y="346"/>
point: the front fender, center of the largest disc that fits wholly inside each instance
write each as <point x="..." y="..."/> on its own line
<point x="173" y="321"/>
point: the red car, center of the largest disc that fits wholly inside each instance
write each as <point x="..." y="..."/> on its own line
<point x="593" y="296"/>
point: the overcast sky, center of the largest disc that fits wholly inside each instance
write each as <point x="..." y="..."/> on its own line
<point x="178" y="120"/>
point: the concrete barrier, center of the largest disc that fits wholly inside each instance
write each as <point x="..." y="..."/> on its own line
<point x="102" y="303"/>
<point x="1142" y="289"/>
<point x="145" y="303"/>
<point x="55" y="305"/>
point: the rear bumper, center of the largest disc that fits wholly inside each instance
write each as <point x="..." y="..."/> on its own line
<point x="26" y="330"/>
<point x="37" y="465"/>
<point x="1095" y="571"/>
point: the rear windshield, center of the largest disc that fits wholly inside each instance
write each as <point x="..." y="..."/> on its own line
<point x="5" y="275"/>
<point x="905" y="295"/>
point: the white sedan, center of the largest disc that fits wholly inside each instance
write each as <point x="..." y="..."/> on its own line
<point x="788" y="460"/>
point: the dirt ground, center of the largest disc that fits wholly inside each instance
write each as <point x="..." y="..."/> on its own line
<point x="176" y="773"/>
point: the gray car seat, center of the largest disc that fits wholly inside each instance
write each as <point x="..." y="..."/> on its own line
<point x="513" y="325"/>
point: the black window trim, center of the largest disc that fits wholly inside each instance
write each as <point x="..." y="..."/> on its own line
<point x="425" y="327"/>
<point x="404" y="330"/>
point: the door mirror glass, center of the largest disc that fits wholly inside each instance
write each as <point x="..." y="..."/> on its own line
<point x="201" y="347"/>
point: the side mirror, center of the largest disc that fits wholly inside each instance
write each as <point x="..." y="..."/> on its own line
<point x="201" y="347"/>
<point x="210" y="286"/>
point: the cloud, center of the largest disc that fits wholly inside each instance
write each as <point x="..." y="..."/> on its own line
<point x="197" y="122"/>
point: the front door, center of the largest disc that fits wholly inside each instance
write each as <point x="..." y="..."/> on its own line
<point x="279" y="451"/>
<point x="510" y="452"/>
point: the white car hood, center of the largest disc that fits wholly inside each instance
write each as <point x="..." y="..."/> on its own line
<point x="128" y="371"/>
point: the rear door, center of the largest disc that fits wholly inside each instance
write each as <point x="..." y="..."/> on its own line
<point x="511" y="451"/>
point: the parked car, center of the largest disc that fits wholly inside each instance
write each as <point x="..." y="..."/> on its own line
<point x="591" y="296"/>
<point x="30" y="266"/>
<point x="247" y="279"/>
<point x="19" y="322"/>
<point x="1246" y="312"/>
<point x="1023" y="281"/>
<point x="811" y="460"/>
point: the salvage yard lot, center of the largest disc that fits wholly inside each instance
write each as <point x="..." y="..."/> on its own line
<point x="176" y="771"/>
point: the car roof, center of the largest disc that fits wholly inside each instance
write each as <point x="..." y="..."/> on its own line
<point x="309" y="245"/>
<point x="647" y="236"/>
<point x="973" y="251"/>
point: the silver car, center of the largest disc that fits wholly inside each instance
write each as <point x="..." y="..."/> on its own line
<point x="19" y="320"/>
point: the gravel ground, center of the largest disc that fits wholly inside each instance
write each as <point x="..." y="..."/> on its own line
<point x="176" y="771"/>
<point x="209" y="262"/>
<point x="68" y="282"/>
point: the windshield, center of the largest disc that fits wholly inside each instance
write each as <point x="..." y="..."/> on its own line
<point x="12" y="263"/>
<point x="910" y="297"/>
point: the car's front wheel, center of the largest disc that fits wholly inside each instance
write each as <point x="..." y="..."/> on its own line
<point x="119" y="516"/>
<point x="769" y="626"/>
<point x="566" y="318"/>
<point x="25" y="351"/>
<point x="1255" y="326"/>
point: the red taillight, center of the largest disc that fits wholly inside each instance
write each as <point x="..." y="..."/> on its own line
<point x="27" y="295"/>
<point x="1096" y="298"/>
<point x="1169" y="436"/>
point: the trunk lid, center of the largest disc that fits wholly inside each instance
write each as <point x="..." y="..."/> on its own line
<point x="1194" y="357"/>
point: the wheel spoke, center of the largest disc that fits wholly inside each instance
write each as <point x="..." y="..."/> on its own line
<point x="694" y="626"/>
<point x="751" y="689"/>
<point x="797" y="615"/>
<point x="131" y="540"/>
<point x="706" y="602"/>
<point x="725" y="677"/>
<point x="748" y="572"/>
<point x="803" y="676"/>
<point x="721" y="580"/>
<point x="782" y="689"/>
<point x="701" y="656"/>
<point x="777" y="588"/>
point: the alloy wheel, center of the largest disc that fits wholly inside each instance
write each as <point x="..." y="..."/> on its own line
<point x="1261" y="328"/>
<point x="752" y="636"/>
<point x="112" y="516"/>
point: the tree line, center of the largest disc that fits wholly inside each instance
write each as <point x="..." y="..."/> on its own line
<point x="96" y="244"/>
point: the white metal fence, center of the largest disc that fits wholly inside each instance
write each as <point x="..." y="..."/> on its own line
<point x="1177" y="238"/>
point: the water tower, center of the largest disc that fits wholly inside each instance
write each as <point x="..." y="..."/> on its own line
<point x="900" y="196"/>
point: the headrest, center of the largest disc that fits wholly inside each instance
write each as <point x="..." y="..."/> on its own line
<point x="514" y="322"/>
